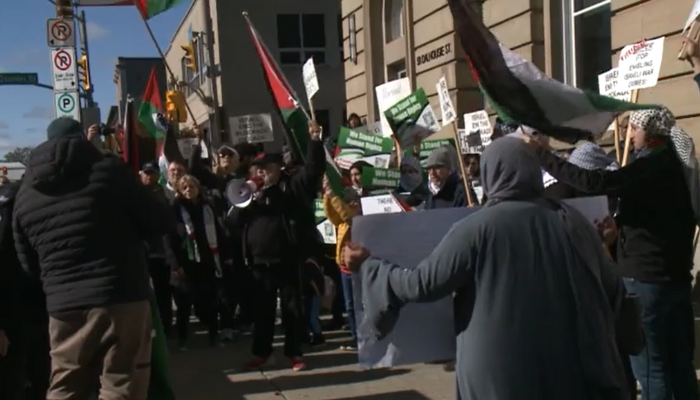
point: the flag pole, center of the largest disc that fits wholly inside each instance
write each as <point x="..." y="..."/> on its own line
<point x="465" y="180"/>
<point x="165" y="62"/>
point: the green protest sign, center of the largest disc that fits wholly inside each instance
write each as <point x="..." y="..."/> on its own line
<point x="318" y="211"/>
<point x="412" y="118"/>
<point x="380" y="178"/>
<point x="370" y="143"/>
<point x="427" y="146"/>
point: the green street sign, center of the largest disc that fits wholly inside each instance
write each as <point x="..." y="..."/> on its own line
<point x="19" y="78"/>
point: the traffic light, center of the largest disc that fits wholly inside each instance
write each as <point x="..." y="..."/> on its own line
<point x="175" y="106"/>
<point x="84" y="72"/>
<point x="4" y="171"/>
<point x="190" y="57"/>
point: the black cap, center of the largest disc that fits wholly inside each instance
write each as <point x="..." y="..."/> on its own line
<point x="150" y="167"/>
<point x="268" y="158"/>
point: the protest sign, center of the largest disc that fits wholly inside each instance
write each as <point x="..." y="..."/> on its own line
<point x="449" y="115"/>
<point x="380" y="178"/>
<point x="371" y="144"/>
<point x="254" y="128"/>
<point x="325" y="228"/>
<point x="479" y="122"/>
<point x="387" y="95"/>
<point x="186" y="145"/>
<point x="640" y="64"/>
<point x="609" y="84"/>
<point x="382" y="204"/>
<point x="310" y="79"/>
<point x="412" y="118"/>
<point x="470" y="142"/>
<point x="424" y="332"/>
<point x="694" y="14"/>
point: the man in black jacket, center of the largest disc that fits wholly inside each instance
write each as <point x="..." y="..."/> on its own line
<point x="24" y="342"/>
<point x="278" y="234"/>
<point x="80" y="221"/>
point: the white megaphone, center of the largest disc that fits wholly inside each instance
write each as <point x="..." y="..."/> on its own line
<point x="239" y="192"/>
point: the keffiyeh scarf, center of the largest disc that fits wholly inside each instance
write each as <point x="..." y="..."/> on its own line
<point x="193" y="251"/>
<point x="660" y="123"/>
<point x="592" y="157"/>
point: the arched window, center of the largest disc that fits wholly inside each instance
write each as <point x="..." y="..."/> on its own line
<point x="587" y="42"/>
<point x="393" y="20"/>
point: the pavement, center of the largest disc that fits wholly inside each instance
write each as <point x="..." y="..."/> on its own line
<point x="214" y="374"/>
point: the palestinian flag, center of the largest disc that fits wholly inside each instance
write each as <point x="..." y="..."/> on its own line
<point x="522" y="94"/>
<point x="151" y="106"/>
<point x="147" y="8"/>
<point x="289" y="109"/>
<point x="160" y="386"/>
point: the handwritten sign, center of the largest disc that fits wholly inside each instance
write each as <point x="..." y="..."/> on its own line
<point x="254" y="128"/>
<point x="389" y="94"/>
<point x="383" y="204"/>
<point x="609" y="85"/>
<point x="310" y="79"/>
<point x="694" y="14"/>
<point x="640" y="64"/>
<point x="449" y="114"/>
<point x="479" y="122"/>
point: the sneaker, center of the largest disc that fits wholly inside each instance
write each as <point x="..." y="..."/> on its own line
<point x="348" y="348"/>
<point x="258" y="362"/>
<point x="226" y="335"/>
<point x="298" y="364"/>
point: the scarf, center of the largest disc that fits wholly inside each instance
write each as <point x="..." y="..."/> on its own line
<point x="592" y="157"/>
<point x="411" y="180"/>
<point x="193" y="251"/>
<point x="660" y="126"/>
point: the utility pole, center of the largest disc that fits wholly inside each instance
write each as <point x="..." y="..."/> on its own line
<point x="212" y="73"/>
<point x="82" y="23"/>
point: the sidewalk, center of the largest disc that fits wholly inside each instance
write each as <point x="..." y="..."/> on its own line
<point x="214" y="374"/>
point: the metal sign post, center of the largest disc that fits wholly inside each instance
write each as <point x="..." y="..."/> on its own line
<point x="64" y="69"/>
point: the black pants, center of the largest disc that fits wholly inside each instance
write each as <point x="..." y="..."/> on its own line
<point x="160" y="275"/>
<point x="268" y="280"/>
<point x="330" y="269"/>
<point x="203" y="296"/>
<point x="226" y="301"/>
<point x="27" y="362"/>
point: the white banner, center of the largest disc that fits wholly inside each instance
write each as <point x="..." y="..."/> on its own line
<point x="254" y="128"/>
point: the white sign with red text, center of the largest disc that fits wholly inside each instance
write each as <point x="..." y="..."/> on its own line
<point x="640" y="64"/>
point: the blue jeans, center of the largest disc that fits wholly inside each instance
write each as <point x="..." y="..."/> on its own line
<point x="664" y="368"/>
<point x="314" y="313"/>
<point x="348" y="294"/>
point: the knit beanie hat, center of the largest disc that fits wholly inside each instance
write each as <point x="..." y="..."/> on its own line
<point x="64" y="126"/>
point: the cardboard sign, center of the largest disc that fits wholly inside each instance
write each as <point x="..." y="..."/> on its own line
<point x="640" y="64"/>
<point x="449" y="114"/>
<point x="383" y="204"/>
<point x="310" y="79"/>
<point x="380" y="178"/>
<point x="370" y="143"/>
<point x="389" y="94"/>
<point x="254" y="128"/>
<point x="412" y="118"/>
<point x="479" y="122"/>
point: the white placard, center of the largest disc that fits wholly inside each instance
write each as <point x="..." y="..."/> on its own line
<point x="66" y="104"/>
<point x="328" y="232"/>
<point x="449" y="114"/>
<point x="640" y="64"/>
<point x="382" y="204"/>
<point x="64" y="69"/>
<point x="609" y="85"/>
<point x="310" y="79"/>
<point x="479" y="121"/>
<point x="374" y="128"/>
<point x="254" y="128"/>
<point x="694" y="13"/>
<point x="389" y="94"/>
<point x="60" y="32"/>
<point x="186" y="146"/>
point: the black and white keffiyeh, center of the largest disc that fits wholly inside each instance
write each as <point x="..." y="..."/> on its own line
<point x="592" y="157"/>
<point x="661" y="122"/>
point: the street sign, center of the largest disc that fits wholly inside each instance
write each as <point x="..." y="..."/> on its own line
<point x="18" y="78"/>
<point x="66" y="104"/>
<point x="65" y="71"/>
<point x="60" y="32"/>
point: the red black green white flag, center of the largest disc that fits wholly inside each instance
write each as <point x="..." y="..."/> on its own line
<point x="289" y="108"/>
<point x="147" y="8"/>
<point x="523" y="94"/>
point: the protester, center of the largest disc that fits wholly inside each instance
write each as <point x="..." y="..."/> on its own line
<point x="279" y="233"/>
<point x="340" y="213"/>
<point x="444" y="184"/>
<point x="411" y="181"/>
<point x="80" y="221"/>
<point x="176" y="170"/>
<point x="201" y="261"/>
<point x="658" y="195"/>
<point x="24" y="342"/>
<point x="354" y="121"/>
<point x="356" y="177"/>
<point x="533" y="291"/>
<point x="157" y="248"/>
<point x="313" y="285"/>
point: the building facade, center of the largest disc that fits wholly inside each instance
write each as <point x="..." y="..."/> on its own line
<point x="293" y="31"/>
<point x="131" y="77"/>
<point x="571" y="40"/>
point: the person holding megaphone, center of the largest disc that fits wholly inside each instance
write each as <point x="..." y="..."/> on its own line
<point x="275" y="212"/>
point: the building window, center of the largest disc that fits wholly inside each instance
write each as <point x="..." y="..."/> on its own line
<point x="393" y="20"/>
<point x="396" y="71"/>
<point x="300" y="37"/>
<point x="587" y="42"/>
<point x="340" y="37"/>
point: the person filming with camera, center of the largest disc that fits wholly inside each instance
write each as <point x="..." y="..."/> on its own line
<point x="279" y="233"/>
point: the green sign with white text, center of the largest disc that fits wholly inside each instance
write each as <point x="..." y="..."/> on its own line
<point x="17" y="78"/>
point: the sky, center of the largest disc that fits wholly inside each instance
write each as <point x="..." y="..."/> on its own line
<point x="113" y="32"/>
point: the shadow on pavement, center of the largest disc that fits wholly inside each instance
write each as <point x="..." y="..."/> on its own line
<point x="401" y="395"/>
<point x="300" y="381"/>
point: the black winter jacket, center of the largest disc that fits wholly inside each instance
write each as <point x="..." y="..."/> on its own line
<point x="80" y="221"/>
<point x="450" y="195"/>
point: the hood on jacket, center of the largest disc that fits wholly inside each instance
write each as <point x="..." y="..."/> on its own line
<point x="61" y="163"/>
